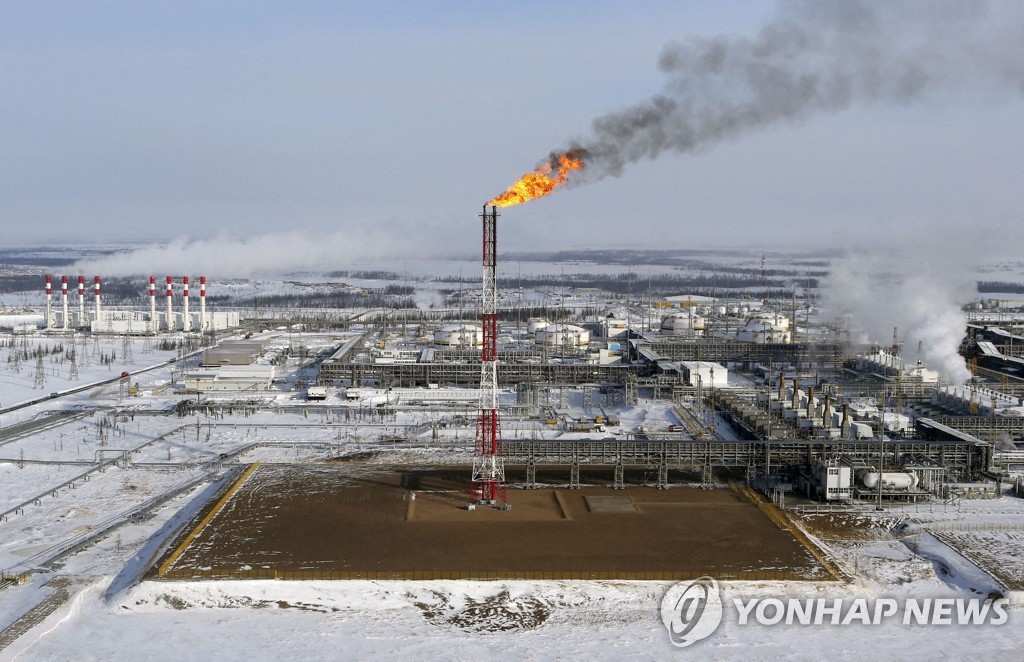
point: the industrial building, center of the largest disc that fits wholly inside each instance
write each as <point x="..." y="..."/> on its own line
<point x="99" y="319"/>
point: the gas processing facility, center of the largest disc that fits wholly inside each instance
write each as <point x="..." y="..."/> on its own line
<point x="392" y="432"/>
<point x="758" y="391"/>
<point x="98" y="319"/>
<point x="755" y="389"/>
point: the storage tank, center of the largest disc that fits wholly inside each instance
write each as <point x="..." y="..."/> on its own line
<point x="765" y="329"/>
<point x="900" y="481"/>
<point x="561" y="335"/>
<point x="459" y="335"/>
<point x="535" y="324"/>
<point x="683" y="324"/>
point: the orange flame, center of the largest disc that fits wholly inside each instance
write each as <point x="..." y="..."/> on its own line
<point x="540" y="182"/>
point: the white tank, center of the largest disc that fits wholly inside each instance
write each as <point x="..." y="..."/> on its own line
<point x="765" y="329"/>
<point x="459" y="335"/>
<point x="900" y="481"/>
<point x="683" y="324"/>
<point x="720" y="310"/>
<point x="534" y="324"/>
<point x="561" y="335"/>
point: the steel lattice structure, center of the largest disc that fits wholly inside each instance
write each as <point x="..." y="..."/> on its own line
<point x="488" y="482"/>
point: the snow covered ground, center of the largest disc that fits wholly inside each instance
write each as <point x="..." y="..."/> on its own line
<point x="134" y="460"/>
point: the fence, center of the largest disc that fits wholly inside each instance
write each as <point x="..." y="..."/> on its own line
<point x="308" y="575"/>
<point x="971" y="526"/>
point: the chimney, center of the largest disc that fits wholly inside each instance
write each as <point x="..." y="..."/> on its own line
<point x="826" y="416"/>
<point x="186" y="323"/>
<point x="170" y="310"/>
<point x="49" y="292"/>
<point x="796" y="393"/>
<point x="782" y="385"/>
<point x="810" y="402"/>
<point x="845" y="425"/>
<point x="153" y="326"/>
<point x="202" y="304"/>
<point x="81" y="301"/>
<point x="96" y="283"/>
<point x="64" y="300"/>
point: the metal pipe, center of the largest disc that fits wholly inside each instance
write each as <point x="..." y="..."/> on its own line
<point x="170" y="309"/>
<point x="186" y="323"/>
<point x="153" y="326"/>
<point x="64" y="301"/>
<point x="202" y="304"/>
<point x="49" y="292"/>
<point x="81" y="301"/>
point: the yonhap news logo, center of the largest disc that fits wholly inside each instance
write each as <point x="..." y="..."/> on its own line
<point x="692" y="611"/>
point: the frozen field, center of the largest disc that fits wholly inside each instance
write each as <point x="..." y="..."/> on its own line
<point x="94" y="493"/>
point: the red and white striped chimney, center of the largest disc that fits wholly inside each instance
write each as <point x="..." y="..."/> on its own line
<point x="186" y="323"/>
<point x="202" y="304"/>
<point x="97" y="284"/>
<point x="81" y="301"/>
<point x="49" y="296"/>
<point x="153" y="326"/>
<point x="170" y="309"/>
<point x="64" y="300"/>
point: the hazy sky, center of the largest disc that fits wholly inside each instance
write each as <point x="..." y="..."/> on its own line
<point x="136" y="120"/>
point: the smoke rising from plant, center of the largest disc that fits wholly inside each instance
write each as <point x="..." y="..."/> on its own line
<point x="817" y="56"/>
<point x="918" y="286"/>
<point x="259" y="255"/>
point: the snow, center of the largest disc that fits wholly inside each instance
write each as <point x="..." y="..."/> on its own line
<point x="922" y="550"/>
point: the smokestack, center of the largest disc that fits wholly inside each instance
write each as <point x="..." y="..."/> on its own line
<point x="154" y="327"/>
<point x="49" y="293"/>
<point x="782" y="385"/>
<point x="826" y="421"/>
<point x="186" y="323"/>
<point x="796" y="393"/>
<point x="97" y="295"/>
<point x="202" y="304"/>
<point x="810" y="402"/>
<point x="64" y="300"/>
<point x="81" y="301"/>
<point x="170" y="310"/>
<point x="845" y="425"/>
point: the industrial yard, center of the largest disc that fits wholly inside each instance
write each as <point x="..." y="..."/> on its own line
<point x="325" y="523"/>
<point x="640" y="442"/>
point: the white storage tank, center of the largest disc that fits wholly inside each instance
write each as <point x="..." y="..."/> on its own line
<point x="459" y="335"/>
<point x="900" y="481"/>
<point x="683" y="324"/>
<point x="535" y="324"/>
<point x="765" y="328"/>
<point x="562" y="335"/>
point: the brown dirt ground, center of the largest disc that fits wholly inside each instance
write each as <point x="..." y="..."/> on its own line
<point x="364" y="519"/>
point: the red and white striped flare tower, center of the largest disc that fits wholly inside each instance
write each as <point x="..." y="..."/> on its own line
<point x="488" y="482"/>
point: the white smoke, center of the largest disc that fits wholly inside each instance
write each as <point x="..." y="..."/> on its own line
<point x="262" y="255"/>
<point x="427" y="299"/>
<point x="917" y="287"/>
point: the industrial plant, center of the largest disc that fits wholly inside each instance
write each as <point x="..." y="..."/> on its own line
<point x="597" y="414"/>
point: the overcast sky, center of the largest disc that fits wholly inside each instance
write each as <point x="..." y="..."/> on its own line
<point x="143" y="120"/>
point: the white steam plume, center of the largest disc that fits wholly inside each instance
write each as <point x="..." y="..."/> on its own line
<point x="262" y="255"/>
<point x="816" y="56"/>
<point x="917" y="287"/>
